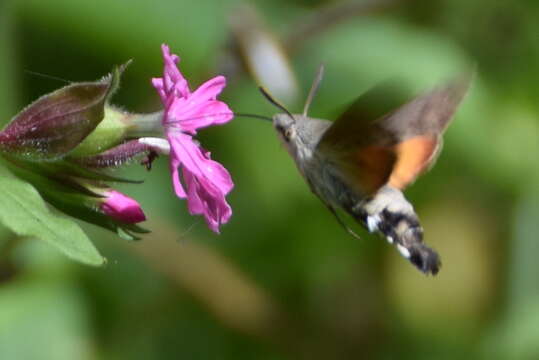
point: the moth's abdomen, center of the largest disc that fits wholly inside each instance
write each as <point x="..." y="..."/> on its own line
<point x="389" y="213"/>
<point x="406" y="234"/>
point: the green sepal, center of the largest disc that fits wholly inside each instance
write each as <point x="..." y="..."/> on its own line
<point x="126" y="232"/>
<point x="57" y="123"/>
<point x="62" y="170"/>
<point x="109" y="133"/>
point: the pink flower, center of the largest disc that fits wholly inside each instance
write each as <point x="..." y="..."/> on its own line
<point x="122" y="208"/>
<point x="207" y="182"/>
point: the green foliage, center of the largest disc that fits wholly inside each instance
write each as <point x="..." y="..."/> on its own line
<point x="35" y="308"/>
<point x="283" y="281"/>
<point x="23" y="211"/>
<point x="8" y="88"/>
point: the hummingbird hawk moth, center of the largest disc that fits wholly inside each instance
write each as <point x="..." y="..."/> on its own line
<point x="362" y="162"/>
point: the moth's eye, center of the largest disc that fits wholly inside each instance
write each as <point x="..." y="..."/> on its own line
<point x="288" y="134"/>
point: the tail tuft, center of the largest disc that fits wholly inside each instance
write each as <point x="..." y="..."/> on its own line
<point x="425" y="259"/>
<point x="404" y="230"/>
<point x="389" y="213"/>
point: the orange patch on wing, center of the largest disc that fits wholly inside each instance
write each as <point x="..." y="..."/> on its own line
<point x="413" y="157"/>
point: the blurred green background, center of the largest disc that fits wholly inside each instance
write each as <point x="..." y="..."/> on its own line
<point x="283" y="281"/>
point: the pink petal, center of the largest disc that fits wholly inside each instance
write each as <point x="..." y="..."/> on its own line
<point x="185" y="151"/>
<point x="190" y="156"/>
<point x="194" y="202"/>
<point x="190" y="119"/>
<point x="122" y="208"/>
<point x="204" y="198"/>
<point x="209" y="90"/>
<point x="173" y="78"/>
<point x="205" y="182"/>
<point x="184" y="110"/>
<point x="174" y="171"/>
<point x="220" y="176"/>
<point x="172" y="83"/>
<point x="160" y="87"/>
<point x="219" y="112"/>
<point x="201" y="106"/>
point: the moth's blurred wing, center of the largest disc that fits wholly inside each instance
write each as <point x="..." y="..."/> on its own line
<point x="367" y="165"/>
<point x="414" y="157"/>
<point x="394" y="148"/>
<point x="427" y="114"/>
<point x="367" y="169"/>
<point x="417" y="129"/>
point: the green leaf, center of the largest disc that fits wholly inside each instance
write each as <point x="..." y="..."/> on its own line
<point x="24" y="212"/>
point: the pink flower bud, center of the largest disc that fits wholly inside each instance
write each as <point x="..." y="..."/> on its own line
<point x="122" y="208"/>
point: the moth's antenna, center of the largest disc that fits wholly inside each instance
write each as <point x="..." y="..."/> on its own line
<point x="314" y="88"/>
<point x="272" y="100"/>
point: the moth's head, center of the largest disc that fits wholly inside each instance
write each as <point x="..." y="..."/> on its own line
<point x="287" y="130"/>
<point x="297" y="131"/>
<point x="285" y="125"/>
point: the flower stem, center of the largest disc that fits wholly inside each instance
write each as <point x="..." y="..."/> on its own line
<point x="144" y="125"/>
